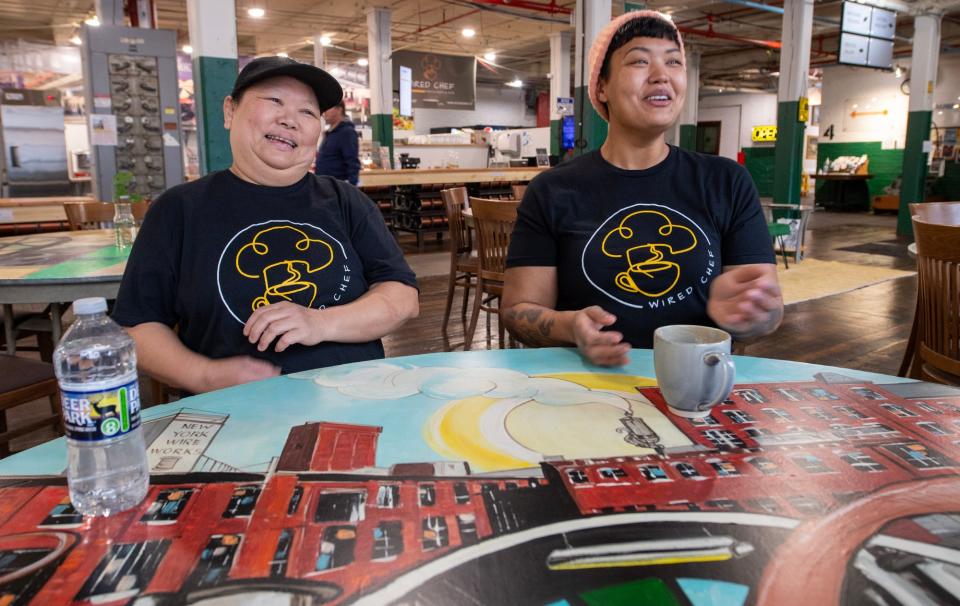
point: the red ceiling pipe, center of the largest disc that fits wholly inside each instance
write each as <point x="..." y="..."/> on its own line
<point x="438" y="24"/>
<point x="552" y="8"/>
<point x="709" y="33"/>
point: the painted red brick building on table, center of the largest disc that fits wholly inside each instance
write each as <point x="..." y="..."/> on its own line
<point x="325" y="522"/>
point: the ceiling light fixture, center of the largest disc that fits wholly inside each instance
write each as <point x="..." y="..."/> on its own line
<point x="93" y="21"/>
<point x="256" y="13"/>
<point x="468" y="32"/>
<point x="76" y="40"/>
<point x="491" y="56"/>
<point x="363" y="62"/>
<point x="282" y="54"/>
<point x="325" y="41"/>
<point x="516" y="83"/>
<point x="187" y="49"/>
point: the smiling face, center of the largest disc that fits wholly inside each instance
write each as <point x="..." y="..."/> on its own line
<point x="273" y="131"/>
<point x="646" y="85"/>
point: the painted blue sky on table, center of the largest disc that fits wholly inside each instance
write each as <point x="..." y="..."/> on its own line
<point x="262" y="413"/>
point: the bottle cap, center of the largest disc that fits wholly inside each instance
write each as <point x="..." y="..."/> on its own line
<point x="90" y="305"/>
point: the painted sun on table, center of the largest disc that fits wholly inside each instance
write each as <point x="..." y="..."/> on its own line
<point x="498" y="419"/>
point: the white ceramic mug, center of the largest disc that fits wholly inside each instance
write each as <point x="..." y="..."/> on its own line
<point x="694" y="369"/>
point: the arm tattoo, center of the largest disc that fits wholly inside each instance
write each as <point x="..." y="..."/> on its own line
<point x="530" y="327"/>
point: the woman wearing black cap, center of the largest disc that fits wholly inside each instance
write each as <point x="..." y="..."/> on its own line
<point x="639" y="234"/>
<point x="264" y="268"/>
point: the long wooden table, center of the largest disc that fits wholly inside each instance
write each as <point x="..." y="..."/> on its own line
<point x="55" y="268"/>
<point x="37" y="209"/>
<point x="511" y="477"/>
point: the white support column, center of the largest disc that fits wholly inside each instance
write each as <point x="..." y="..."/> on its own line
<point x="319" y="53"/>
<point x="110" y="12"/>
<point x="214" y="42"/>
<point x="794" y="68"/>
<point x="559" y="83"/>
<point x="380" y="77"/>
<point x="590" y="16"/>
<point x="923" y="79"/>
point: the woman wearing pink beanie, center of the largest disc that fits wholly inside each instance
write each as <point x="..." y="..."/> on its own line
<point x="639" y="234"/>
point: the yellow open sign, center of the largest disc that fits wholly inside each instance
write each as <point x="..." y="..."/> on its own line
<point x="764" y="133"/>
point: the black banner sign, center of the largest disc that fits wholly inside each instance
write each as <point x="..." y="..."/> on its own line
<point x="439" y="81"/>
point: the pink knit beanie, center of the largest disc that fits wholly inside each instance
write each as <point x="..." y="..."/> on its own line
<point x="600" y="45"/>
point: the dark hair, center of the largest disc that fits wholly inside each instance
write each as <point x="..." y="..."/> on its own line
<point x="644" y="27"/>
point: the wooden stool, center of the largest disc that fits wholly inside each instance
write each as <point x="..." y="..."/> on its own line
<point x="22" y="381"/>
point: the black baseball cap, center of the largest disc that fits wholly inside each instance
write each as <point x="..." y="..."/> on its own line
<point x="325" y="87"/>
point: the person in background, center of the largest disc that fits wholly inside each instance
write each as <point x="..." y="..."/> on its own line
<point x="639" y="234"/>
<point x="264" y="268"/>
<point x="339" y="154"/>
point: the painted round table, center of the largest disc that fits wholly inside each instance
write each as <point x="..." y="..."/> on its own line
<point x="512" y="477"/>
<point x="55" y="268"/>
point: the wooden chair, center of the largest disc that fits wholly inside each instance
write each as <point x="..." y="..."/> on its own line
<point x="929" y="212"/>
<point x="937" y="347"/>
<point x="518" y="191"/>
<point x="22" y="381"/>
<point x="98" y="215"/>
<point x="463" y="259"/>
<point x="494" y="220"/>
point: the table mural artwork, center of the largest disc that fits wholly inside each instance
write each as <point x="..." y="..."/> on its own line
<point x="512" y="477"/>
<point x="58" y="267"/>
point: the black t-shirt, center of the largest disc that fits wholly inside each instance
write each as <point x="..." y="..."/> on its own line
<point x="212" y="251"/>
<point x="642" y="244"/>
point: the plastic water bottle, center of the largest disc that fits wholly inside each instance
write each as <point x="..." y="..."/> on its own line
<point x="124" y="225"/>
<point x="96" y="364"/>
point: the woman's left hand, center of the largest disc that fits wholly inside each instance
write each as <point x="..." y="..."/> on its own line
<point x="290" y="322"/>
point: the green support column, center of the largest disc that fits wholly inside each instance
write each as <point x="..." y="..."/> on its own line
<point x="788" y="154"/>
<point x="591" y="129"/>
<point x="688" y="137"/>
<point x="382" y="127"/>
<point x="214" y="77"/>
<point x="914" y="167"/>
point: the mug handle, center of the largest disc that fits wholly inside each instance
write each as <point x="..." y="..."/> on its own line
<point x="729" y="374"/>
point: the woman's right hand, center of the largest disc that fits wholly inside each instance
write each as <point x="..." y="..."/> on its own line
<point x="602" y="348"/>
<point x="226" y="372"/>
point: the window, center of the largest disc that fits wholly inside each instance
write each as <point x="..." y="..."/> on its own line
<point x="790" y="394"/>
<point x="295" y="498"/>
<point x="467" y="525"/>
<point x="215" y="561"/>
<point x="818" y="413"/>
<point x="806" y="504"/>
<point x="898" y="410"/>
<point x="934" y="428"/>
<point x="723" y="438"/>
<point x="861" y="461"/>
<point x="387" y="540"/>
<point x="461" y="493"/>
<point x="778" y="414"/>
<point x="927" y="408"/>
<point x="654" y="473"/>
<point x="751" y="396"/>
<point x="704" y="421"/>
<point x="63" y="514"/>
<point x="428" y="495"/>
<point x="242" y="502"/>
<point x="340" y="507"/>
<point x="612" y="473"/>
<point x="388" y="496"/>
<point x="822" y="394"/>
<point x="738" y="416"/>
<point x="687" y="470"/>
<point x="577" y="476"/>
<point x="126" y="567"/>
<point x="281" y="555"/>
<point x="765" y="504"/>
<point x="434" y="533"/>
<point x="764" y="465"/>
<point x="168" y="506"/>
<point x="336" y="547"/>
<point x="868" y="394"/>
<point x="724" y="504"/>
<point x="724" y="468"/>
<point x="918" y="455"/>
<point x="851" y="412"/>
<point x="810" y="463"/>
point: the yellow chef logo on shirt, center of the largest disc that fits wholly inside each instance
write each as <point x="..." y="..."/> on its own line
<point x="277" y="261"/>
<point x="648" y="256"/>
<point x="648" y="260"/>
<point x="283" y="257"/>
